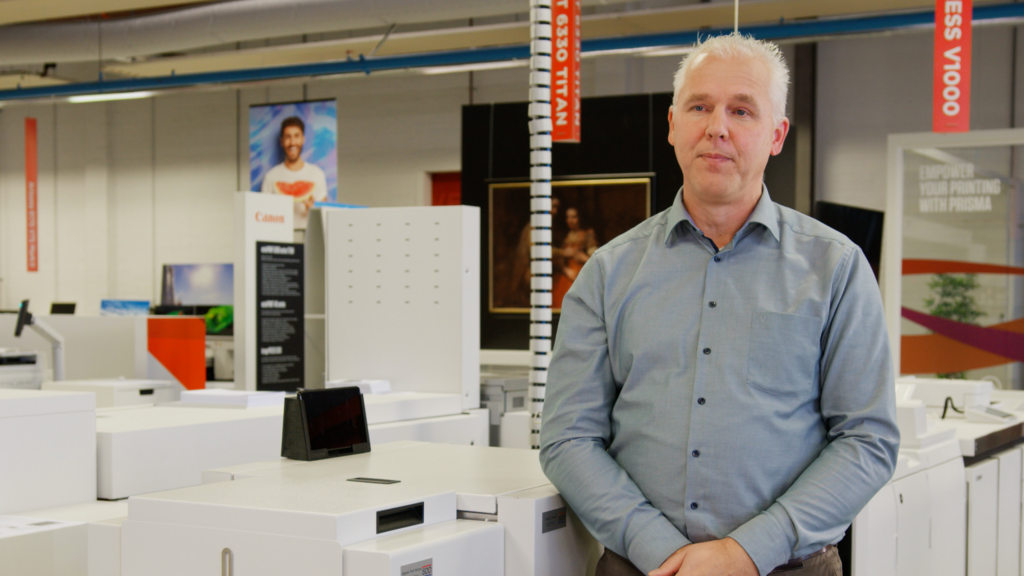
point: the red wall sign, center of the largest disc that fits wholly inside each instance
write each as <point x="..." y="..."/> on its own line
<point x="565" y="71"/>
<point x="32" y="194"/>
<point x="951" y="99"/>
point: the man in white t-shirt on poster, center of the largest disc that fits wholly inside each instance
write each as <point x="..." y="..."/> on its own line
<point x="304" y="181"/>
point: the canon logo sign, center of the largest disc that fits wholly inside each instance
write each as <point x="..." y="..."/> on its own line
<point x="270" y="218"/>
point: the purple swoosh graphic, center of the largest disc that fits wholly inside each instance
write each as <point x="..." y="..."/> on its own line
<point x="1007" y="344"/>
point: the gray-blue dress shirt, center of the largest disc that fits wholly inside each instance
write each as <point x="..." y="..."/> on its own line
<point x="696" y="393"/>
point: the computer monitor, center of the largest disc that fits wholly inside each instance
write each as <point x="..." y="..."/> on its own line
<point x="62" y="308"/>
<point x="862" y="226"/>
<point x="324" y="424"/>
<point x="219" y="319"/>
<point x="24" y="318"/>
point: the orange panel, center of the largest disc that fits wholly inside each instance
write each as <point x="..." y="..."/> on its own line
<point x="446" y="188"/>
<point x="179" y="344"/>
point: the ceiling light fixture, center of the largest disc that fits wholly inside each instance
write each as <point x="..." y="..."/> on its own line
<point x="473" y="67"/>
<point x="670" y="51"/>
<point x="617" y="52"/>
<point x="109" y="97"/>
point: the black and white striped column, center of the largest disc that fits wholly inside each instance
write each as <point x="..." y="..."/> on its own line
<point x="540" y="209"/>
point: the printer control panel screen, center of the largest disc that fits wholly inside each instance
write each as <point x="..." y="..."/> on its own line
<point x="335" y="419"/>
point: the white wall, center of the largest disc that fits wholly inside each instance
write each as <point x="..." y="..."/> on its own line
<point x="125" y="187"/>
<point x="869" y="88"/>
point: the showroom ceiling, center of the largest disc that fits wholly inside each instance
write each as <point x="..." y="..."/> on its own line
<point x="163" y="38"/>
<point x="596" y="25"/>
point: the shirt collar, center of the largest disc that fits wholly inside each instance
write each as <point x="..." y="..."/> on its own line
<point x="764" y="213"/>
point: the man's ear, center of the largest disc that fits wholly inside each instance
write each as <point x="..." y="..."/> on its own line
<point x="671" y="130"/>
<point x="779" y="136"/>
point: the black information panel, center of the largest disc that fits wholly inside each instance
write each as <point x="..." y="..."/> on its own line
<point x="280" y="321"/>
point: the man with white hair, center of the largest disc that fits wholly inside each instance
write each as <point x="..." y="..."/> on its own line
<point x="721" y="398"/>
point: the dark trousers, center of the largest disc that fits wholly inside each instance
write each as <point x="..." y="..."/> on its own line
<point x="826" y="564"/>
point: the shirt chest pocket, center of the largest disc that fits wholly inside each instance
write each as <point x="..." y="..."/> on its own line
<point x="784" y="353"/>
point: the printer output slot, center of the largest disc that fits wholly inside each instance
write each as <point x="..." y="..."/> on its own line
<point x="401" y="517"/>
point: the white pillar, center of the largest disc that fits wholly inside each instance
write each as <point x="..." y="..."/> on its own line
<point x="540" y="209"/>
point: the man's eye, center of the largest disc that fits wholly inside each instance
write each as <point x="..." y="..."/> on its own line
<point x="742" y="112"/>
<point x="698" y="108"/>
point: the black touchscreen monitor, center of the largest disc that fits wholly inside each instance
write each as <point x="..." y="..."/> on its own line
<point x="24" y="318"/>
<point x="333" y="424"/>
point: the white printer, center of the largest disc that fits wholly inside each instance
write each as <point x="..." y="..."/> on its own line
<point x="20" y="369"/>
<point x="916" y="523"/>
<point x="404" y="508"/>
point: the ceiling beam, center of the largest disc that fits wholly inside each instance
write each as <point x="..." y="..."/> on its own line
<point x="810" y="29"/>
<point x="22" y="11"/>
<point x="600" y="26"/>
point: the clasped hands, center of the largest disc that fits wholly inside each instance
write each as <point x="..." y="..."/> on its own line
<point x="723" y="557"/>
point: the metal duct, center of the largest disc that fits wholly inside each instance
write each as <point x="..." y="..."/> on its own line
<point x="225" y="22"/>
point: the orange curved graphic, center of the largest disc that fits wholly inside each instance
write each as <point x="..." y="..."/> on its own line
<point x="934" y="353"/>
<point x="297" y="188"/>
<point x="920" y="266"/>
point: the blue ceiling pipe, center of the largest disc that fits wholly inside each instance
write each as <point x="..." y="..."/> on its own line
<point x="780" y="31"/>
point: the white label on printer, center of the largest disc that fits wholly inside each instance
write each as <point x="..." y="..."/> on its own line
<point x="421" y="568"/>
<point x="552" y="520"/>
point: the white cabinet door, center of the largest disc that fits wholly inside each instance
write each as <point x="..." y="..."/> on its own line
<point x="874" y="536"/>
<point x="913" y="517"/>
<point x="982" y="502"/>
<point x="949" y="519"/>
<point x="1008" y="518"/>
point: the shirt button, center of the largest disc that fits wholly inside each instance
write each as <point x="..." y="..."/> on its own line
<point x="693" y="505"/>
<point x="707" y="351"/>
<point x="700" y="401"/>
<point x="718" y="258"/>
<point x="712" y="304"/>
<point x="696" y="453"/>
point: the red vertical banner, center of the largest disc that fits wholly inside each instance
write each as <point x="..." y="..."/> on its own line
<point x="32" y="195"/>
<point x="565" y="71"/>
<point x="951" y="97"/>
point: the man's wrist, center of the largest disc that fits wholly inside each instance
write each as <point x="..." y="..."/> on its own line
<point x="765" y="540"/>
<point x="740" y="558"/>
<point x="654" y="543"/>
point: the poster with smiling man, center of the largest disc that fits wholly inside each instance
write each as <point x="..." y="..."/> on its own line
<point x="293" y="151"/>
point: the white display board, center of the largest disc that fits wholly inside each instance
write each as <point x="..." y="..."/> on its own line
<point x="952" y="212"/>
<point x="316" y="329"/>
<point x="403" y="298"/>
<point x="94" y="346"/>
<point x="258" y="218"/>
<point x="97" y="347"/>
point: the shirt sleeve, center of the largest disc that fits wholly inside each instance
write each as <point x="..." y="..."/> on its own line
<point x="858" y="407"/>
<point x="576" y="431"/>
<point x="268" y="184"/>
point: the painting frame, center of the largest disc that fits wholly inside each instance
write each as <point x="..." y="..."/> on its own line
<point x="597" y="216"/>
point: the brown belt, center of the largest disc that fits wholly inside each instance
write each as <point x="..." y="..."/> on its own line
<point x="798" y="563"/>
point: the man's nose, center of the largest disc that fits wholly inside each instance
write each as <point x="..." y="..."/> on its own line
<point x="717" y="125"/>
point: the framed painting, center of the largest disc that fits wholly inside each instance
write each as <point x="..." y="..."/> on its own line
<point x="586" y="214"/>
